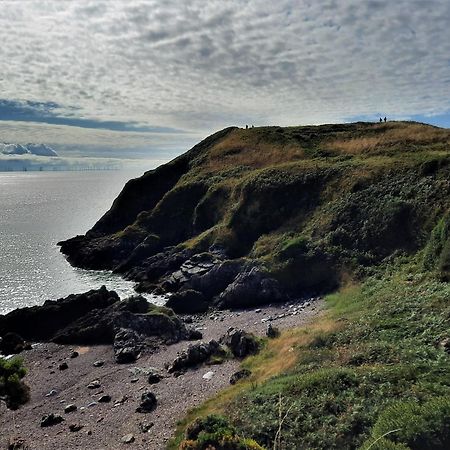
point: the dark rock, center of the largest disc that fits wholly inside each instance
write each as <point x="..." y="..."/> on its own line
<point x="148" y="403"/>
<point x="154" y="377"/>
<point x="145" y="427"/>
<point x="17" y="444"/>
<point x="94" y="384"/>
<point x="239" y="375"/>
<point x="50" y="420"/>
<point x="74" y="354"/>
<point x="98" y="363"/>
<point x="63" y="366"/>
<point x="272" y="332"/>
<point x="11" y="343"/>
<point x="41" y="323"/>
<point x="187" y="302"/>
<point x="195" y="355"/>
<point x="74" y="427"/>
<point x="241" y="343"/>
<point x="126" y="346"/>
<point x="104" y="399"/>
<point x="194" y="335"/>
<point x="70" y="408"/>
<point x="250" y="288"/>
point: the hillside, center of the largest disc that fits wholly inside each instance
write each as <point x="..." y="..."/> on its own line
<point x="308" y="207"/>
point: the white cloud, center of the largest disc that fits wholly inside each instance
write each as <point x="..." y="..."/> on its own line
<point x="204" y="65"/>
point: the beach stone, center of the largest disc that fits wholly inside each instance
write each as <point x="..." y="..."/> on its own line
<point x="145" y="427"/>
<point x="70" y="408"/>
<point x="52" y="393"/>
<point x="208" y="375"/>
<point x="51" y="419"/>
<point x="127" y="439"/>
<point x="94" y="384"/>
<point x="154" y="377"/>
<point x="63" y="366"/>
<point x="74" y="354"/>
<point x="74" y="427"/>
<point x="148" y="403"/>
<point x="98" y="363"/>
<point x="126" y="346"/>
<point x="239" y="375"/>
<point x="104" y="399"/>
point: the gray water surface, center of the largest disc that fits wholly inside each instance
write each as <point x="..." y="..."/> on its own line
<point x="38" y="209"/>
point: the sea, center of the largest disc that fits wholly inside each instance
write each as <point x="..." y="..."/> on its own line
<point x="39" y="209"/>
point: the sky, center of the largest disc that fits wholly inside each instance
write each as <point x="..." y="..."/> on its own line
<point x="148" y="79"/>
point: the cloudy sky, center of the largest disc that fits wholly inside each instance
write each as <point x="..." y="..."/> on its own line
<point x="147" y="79"/>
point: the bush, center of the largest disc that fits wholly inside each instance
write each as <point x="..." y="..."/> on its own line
<point x="418" y="427"/>
<point x="12" y="389"/>
<point x="215" y="432"/>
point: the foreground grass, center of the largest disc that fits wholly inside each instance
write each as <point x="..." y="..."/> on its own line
<point x="374" y="365"/>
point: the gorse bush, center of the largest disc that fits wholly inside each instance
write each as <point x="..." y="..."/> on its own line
<point x="12" y="389"/>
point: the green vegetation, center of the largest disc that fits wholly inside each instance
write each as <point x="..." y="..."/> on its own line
<point x="12" y="389"/>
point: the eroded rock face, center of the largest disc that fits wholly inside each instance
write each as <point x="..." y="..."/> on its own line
<point x="187" y="302"/>
<point x="11" y="343"/>
<point x="250" y="288"/>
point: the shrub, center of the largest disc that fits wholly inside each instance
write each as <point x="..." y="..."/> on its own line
<point x="12" y="389"/>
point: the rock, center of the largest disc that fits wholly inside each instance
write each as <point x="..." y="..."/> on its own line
<point x="74" y="427"/>
<point x="52" y="393"/>
<point x="12" y="343"/>
<point x="92" y="404"/>
<point x="98" y="363"/>
<point x="70" y="408"/>
<point x="41" y="323"/>
<point x="195" y="355"/>
<point x="104" y="399"/>
<point x="51" y="419"/>
<point x="250" y="288"/>
<point x="94" y="384"/>
<point x="126" y="346"/>
<point x="63" y="366"/>
<point x="208" y="375"/>
<point x="239" y="375"/>
<point x="241" y="343"/>
<point x="127" y="439"/>
<point x="17" y="444"/>
<point x="145" y="427"/>
<point x="272" y="332"/>
<point x="148" y="403"/>
<point x="154" y="377"/>
<point x="74" y="354"/>
<point x="187" y="302"/>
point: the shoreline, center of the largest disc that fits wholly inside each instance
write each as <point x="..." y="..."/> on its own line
<point x="105" y="424"/>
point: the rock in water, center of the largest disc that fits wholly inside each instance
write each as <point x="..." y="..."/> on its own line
<point x="50" y="420"/>
<point x="148" y="403"/>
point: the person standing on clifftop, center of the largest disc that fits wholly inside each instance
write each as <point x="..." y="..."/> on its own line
<point x="381" y="120"/>
<point x="385" y="120"/>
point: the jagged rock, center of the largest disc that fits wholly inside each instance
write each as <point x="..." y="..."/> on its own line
<point x="126" y="346"/>
<point x="250" y="288"/>
<point x="272" y="332"/>
<point x="195" y="355"/>
<point x="11" y="343"/>
<point x="239" y="375"/>
<point x="187" y="302"/>
<point x="70" y="408"/>
<point x="241" y="343"/>
<point x="41" y="323"/>
<point x="148" y="403"/>
<point x="51" y="419"/>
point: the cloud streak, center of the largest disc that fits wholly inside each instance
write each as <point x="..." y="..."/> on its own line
<point x="200" y="66"/>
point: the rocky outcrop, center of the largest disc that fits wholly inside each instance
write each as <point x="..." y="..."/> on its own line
<point x="41" y="323"/>
<point x="250" y="288"/>
<point x="12" y="343"/>
<point x="241" y="343"/>
<point x="187" y="302"/>
<point x="195" y="355"/>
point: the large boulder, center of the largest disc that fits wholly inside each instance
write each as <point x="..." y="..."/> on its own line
<point x="11" y="343"/>
<point x="241" y="343"/>
<point x="187" y="302"/>
<point x="127" y="346"/>
<point x="251" y="287"/>
<point x="40" y="323"/>
<point x="195" y="355"/>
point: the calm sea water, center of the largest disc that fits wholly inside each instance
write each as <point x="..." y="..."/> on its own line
<point x="38" y="209"/>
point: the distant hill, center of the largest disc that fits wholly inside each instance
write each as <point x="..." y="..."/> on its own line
<point x="27" y="149"/>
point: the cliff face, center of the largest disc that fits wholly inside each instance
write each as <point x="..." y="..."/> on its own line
<point x="303" y="206"/>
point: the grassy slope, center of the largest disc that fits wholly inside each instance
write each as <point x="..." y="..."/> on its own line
<point x="371" y="365"/>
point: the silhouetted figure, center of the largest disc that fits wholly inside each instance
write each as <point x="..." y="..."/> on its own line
<point x="246" y="127"/>
<point x="385" y="120"/>
<point x="253" y="126"/>
<point x="381" y="120"/>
